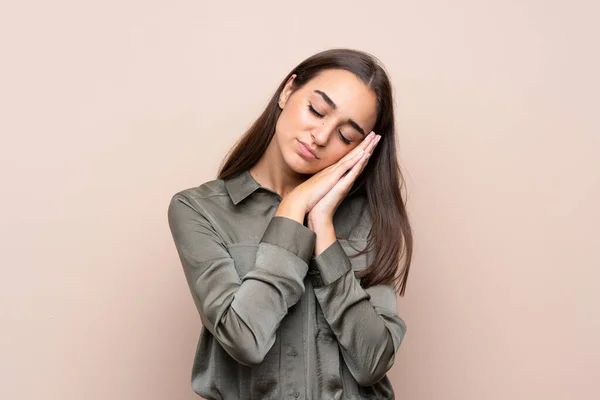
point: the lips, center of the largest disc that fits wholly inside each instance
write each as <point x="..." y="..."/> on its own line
<point x="307" y="151"/>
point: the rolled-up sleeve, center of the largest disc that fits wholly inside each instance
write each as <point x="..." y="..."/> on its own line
<point x="242" y="314"/>
<point x="364" y="321"/>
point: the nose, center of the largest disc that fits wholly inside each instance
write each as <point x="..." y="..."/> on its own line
<point x="322" y="133"/>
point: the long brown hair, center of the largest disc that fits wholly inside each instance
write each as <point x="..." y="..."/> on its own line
<point x="381" y="182"/>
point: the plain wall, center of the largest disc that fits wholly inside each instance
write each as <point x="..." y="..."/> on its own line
<point x="108" y="108"/>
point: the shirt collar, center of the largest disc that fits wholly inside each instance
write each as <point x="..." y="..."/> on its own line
<point x="241" y="186"/>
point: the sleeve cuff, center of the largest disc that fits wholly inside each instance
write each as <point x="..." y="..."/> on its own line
<point x="292" y="236"/>
<point x="330" y="265"/>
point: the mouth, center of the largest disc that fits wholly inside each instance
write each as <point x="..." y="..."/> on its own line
<point x="306" y="151"/>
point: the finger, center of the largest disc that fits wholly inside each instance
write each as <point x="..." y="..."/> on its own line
<point x="346" y="165"/>
<point x="368" y="152"/>
<point x="354" y="156"/>
<point x="371" y="147"/>
<point x="368" y="140"/>
<point x="351" y="176"/>
<point x="361" y="147"/>
<point x="349" y="163"/>
<point x="336" y="171"/>
<point x="342" y="186"/>
<point x="364" y="164"/>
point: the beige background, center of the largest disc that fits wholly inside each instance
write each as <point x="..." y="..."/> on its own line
<point x="108" y="108"/>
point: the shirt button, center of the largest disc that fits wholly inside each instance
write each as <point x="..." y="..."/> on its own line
<point x="294" y="352"/>
<point x="296" y="394"/>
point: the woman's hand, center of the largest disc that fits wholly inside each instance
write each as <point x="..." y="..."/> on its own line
<point x="321" y="214"/>
<point x="305" y="196"/>
<point x="320" y="218"/>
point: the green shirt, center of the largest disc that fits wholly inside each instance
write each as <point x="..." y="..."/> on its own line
<point x="278" y="322"/>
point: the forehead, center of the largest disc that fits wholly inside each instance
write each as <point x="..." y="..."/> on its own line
<point x="353" y="98"/>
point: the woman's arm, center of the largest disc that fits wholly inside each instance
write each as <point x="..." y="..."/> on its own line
<point x="364" y="321"/>
<point x="242" y="314"/>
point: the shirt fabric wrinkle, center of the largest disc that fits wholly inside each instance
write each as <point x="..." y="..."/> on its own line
<point x="290" y="325"/>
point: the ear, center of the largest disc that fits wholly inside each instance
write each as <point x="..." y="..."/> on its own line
<point x="288" y="89"/>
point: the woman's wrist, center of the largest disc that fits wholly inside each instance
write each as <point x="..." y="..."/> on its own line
<point x="292" y="210"/>
<point x="319" y="220"/>
<point x="325" y="232"/>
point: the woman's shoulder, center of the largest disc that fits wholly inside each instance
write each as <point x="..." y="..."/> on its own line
<point x="205" y="192"/>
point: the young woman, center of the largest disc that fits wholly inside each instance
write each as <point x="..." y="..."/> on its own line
<point x="293" y="254"/>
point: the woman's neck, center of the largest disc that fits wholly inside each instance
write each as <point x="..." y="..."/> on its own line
<point x="272" y="172"/>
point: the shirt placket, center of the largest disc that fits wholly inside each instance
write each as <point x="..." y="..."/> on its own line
<point x="292" y="354"/>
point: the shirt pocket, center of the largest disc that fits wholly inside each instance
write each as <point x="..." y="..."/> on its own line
<point x="244" y="257"/>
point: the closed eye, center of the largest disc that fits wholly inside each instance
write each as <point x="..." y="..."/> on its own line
<point x="315" y="112"/>
<point x="344" y="138"/>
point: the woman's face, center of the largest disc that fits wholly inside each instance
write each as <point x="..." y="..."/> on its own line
<point x="330" y="115"/>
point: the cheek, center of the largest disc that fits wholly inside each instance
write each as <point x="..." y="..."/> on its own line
<point x="285" y="123"/>
<point x="282" y="128"/>
<point x="335" y="153"/>
<point x="297" y="115"/>
<point x="292" y="123"/>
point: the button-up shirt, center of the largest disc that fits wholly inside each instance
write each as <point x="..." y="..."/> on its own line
<point x="279" y="322"/>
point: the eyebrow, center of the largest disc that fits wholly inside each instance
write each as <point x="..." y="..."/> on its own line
<point x="334" y="106"/>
